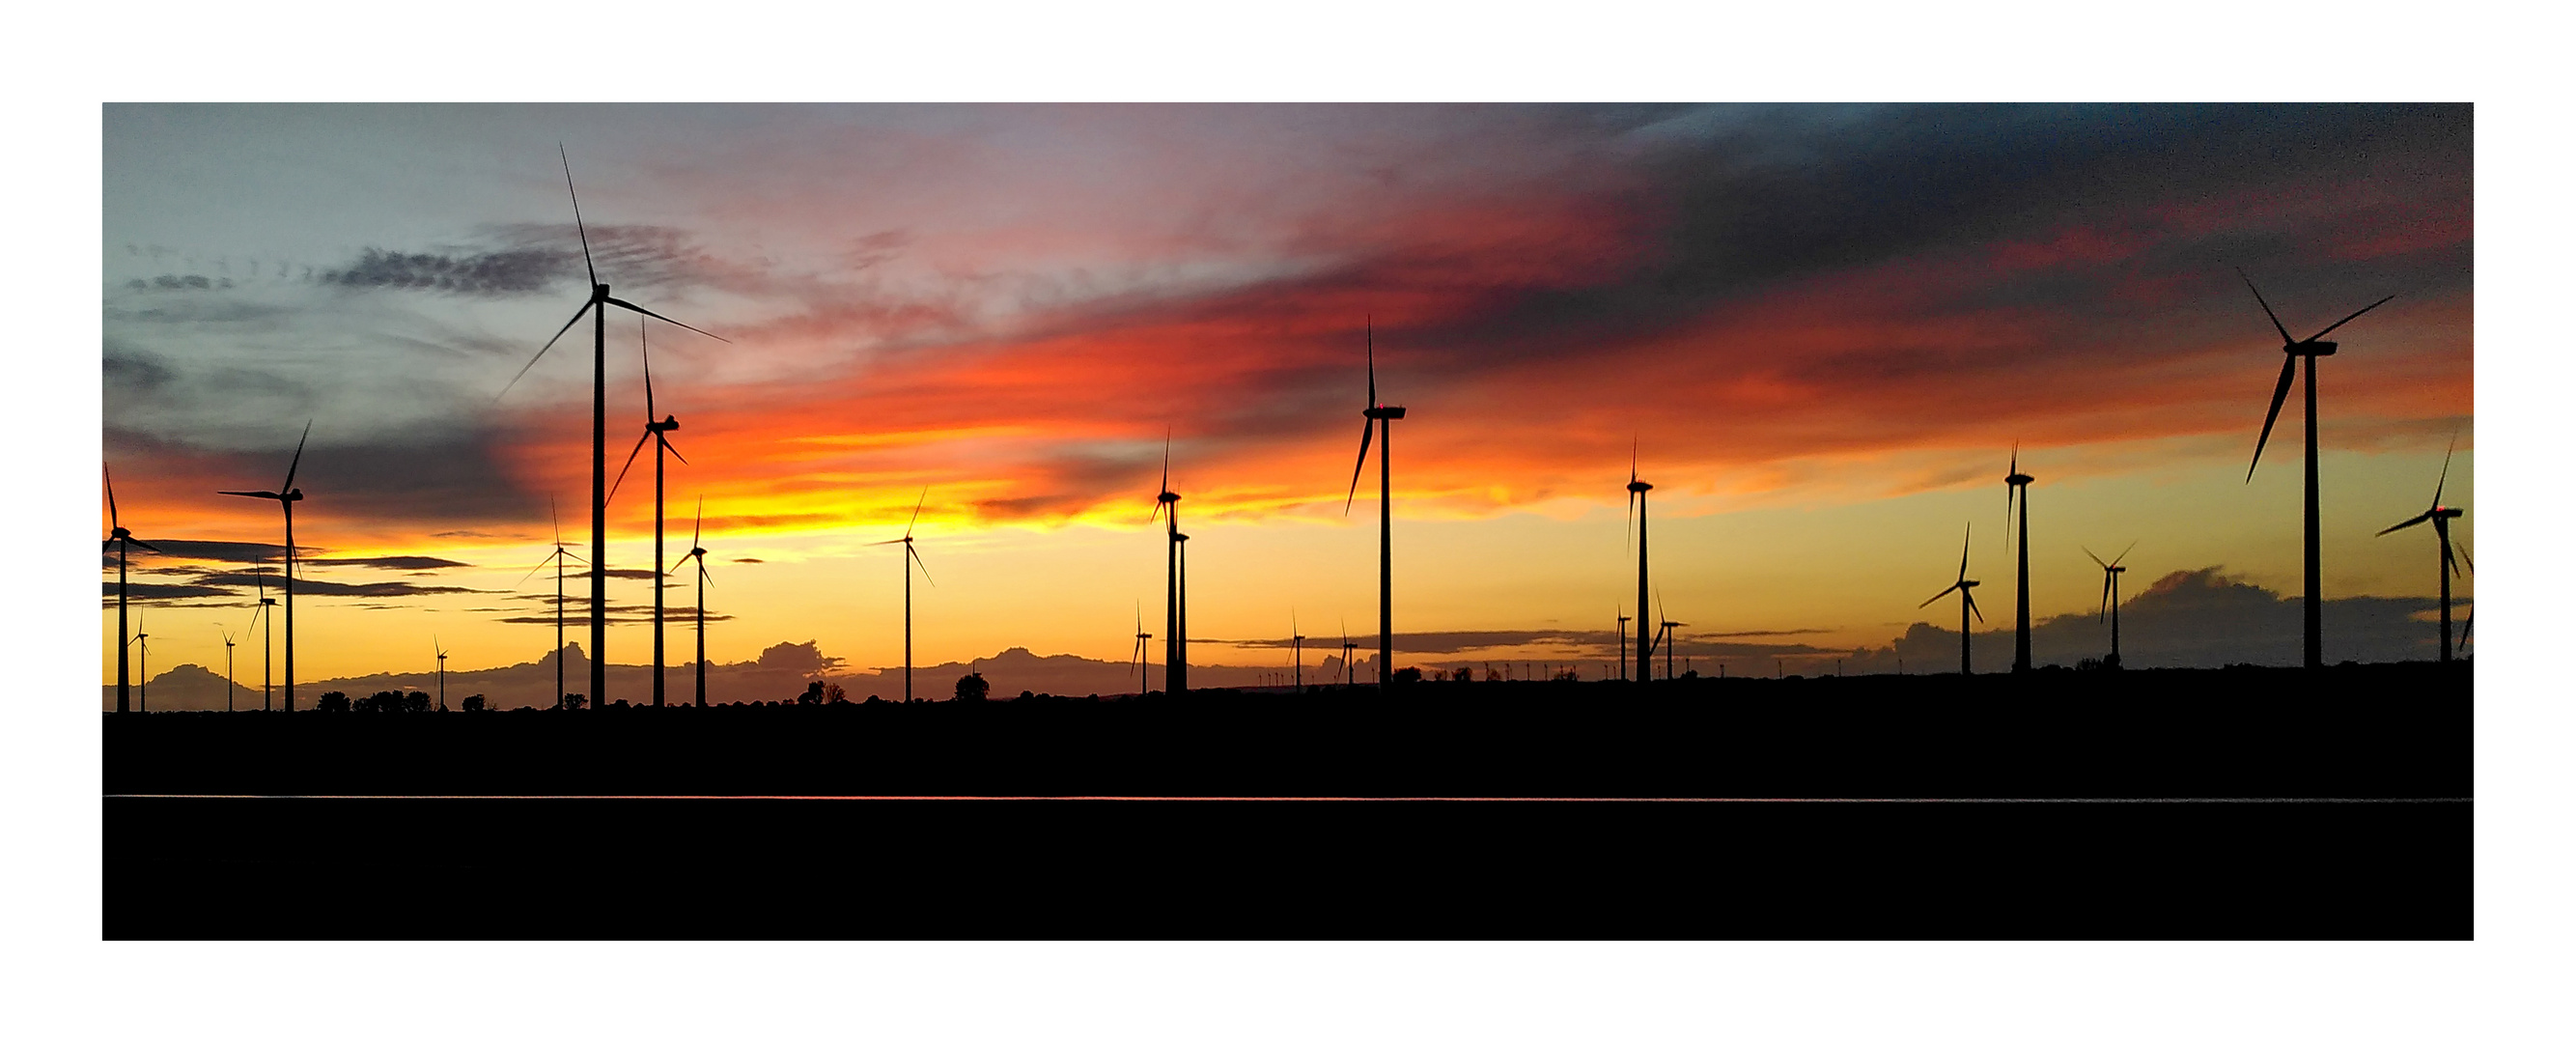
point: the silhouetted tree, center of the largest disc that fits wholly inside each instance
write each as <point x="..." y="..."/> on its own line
<point x="812" y="695"/>
<point x="573" y="700"/>
<point x="333" y="702"/>
<point x="473" y="704"/>
<point x="832" y="693"/>
<point x="973" y="687"/>
<point x="416" y="702"/>
<point x="1407" y="675"/>
<point x="1463" y="674"/>
<point x="381" y="702"/>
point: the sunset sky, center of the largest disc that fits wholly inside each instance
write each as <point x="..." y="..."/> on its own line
<point x="1822" y="328"/>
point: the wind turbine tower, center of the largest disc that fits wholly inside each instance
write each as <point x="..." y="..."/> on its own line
<point x="2449" y="566"/>
<point x="1384" y="416"/>
<point x="911" y="559"/>
<point x="120" y="539"/>
<point x="287" y="496"/>
<point x="1967" y="601"/>
<point x="2018" y="484"/>
<point x="2111" y="571"/>
<point x="2310" y="349"/>
<point x="1637" y="502"/>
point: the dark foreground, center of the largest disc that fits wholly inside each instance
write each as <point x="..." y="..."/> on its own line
<point x="375" y="868"/>
<point x="2150" y="804"/>
<point x="2376" y="731"/>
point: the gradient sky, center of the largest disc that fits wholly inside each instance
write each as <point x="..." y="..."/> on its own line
<point x="1822" y="327"/>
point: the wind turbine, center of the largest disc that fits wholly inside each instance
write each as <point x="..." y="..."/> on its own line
<point x="1637" y="506"/>
<point x="120" y="539"/>
<point x="557" y="558"/>
<point x="2441" y="517"/>
<point x="1384" y="416"/>
<point x="1167" y="506"/>
<point x="442" y="671"/>
<point x="259" y="614"/>
<point x="286" y="496"/>
<point x="2309" y="349"/>
<point x="911" y="559"/>
<point x="1348" y="680"/>
<point x="657" y="432"/>
<point x="1138" y="666"/>
<point x="2111" y="571"/>
<point x="1967" y="601"/>
<point x="228" y="667"/>
<point x="2017" y="483"/>
<point x="1297" y="642"/>
<point x="1623" y="642"/>
<point x="1666" y="637"/>
<point x="698" y="553"/>
<point x="143" y="649"/>
<point x="597" y="306"/>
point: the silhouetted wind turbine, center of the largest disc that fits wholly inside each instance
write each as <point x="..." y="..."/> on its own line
<point x="1666" y="637"/>
<point x="143" y="650"/>
<point x="1623" y="642"/>
<point x="657" y="432"/>
<point x="228" y="667"/>
<point x="2111" y="571"/>
<point x="557" y="559"/>
<point x="597" y="306"/>
<point x="1297" y="642"/>
<point x="911" y="560"/>
<point x="1967" y="601"/>
<point x="120" y="539"/>
<point x="1137" y="667"/>
<point x="259" y="614"/>
<point x="1384" y="416"/>
<point x="698" y="553"/>
<point x="2441" y="517"/>
<point x="286" y="496"/>
<point x="442" y="671"/>
<point x="1637" y="506"/>
<point x="1348" y="649"/>
<point x="2016" y="482"/>
<point x="1167" y="506"/>
<point x="2308" y="349"/>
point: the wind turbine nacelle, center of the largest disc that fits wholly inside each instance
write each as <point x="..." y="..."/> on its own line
<point x="1970" y="583"/>
<point x="2447" y="512"/>
<point x="2314" y="347"/>
<point x="1383" y="412"/>
<point x="1638" y="487"/>
<point x="293" y="494"/>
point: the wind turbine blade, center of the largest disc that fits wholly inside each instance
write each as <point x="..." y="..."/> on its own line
<point x="2437" y="483"/>
<point x="262" y="494"/>
<point x="1972" y="604"/>
<point x="541" y="352"/>
<point x="630" y="464"/>
<point x="880" y="543"/>
<point x="1368" y="430"/>
<point x="647" y="311"/>
<point x="2097" y="559"/>
<point x="2464" y="558"/>
<point x="576" y="214"/>
<point x="532" y="573"/>
<point x="1369" y="330"/>
<point x="1963" y="550"/>
<point x="2355" y="315"/>
<point x="2280" y="392"/>
<point x="112" y="521"/>
<point x="924" y="566"/>
<point x="2104" y="611"/>
<point x="698" y="526"/>
<point x="298" y="461"/>
<point x="132" y="542"/>
<point x="1945" y="592"/>
<point x="2410" y="522"/>
<point x="555" y="507"/>
<point x="2267" y="307"/>
<point x="2124" y="552"/>
<point x="916" y="511"/>
<point x="703" y="577"/>
<point x="675" y="450"/>
<point x="2448" y="559"/>
<point x="646" y="343"/>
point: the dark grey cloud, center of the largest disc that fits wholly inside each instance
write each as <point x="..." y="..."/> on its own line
<point x="161" y="592"/>
<point x="499" y="273"/>
<point x="395" y="563"/>
<point x="431" y="473"/>
<point x="304" y="587"/>
<point x="747" y="561"/>
<point x="183" y="283"/>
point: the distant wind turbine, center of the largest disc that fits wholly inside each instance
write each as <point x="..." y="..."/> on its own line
<point x="143" y="650"/>
<point x="1167" y="506"/>
<point x="1623" y="642"/>
<point x="442" y="671"/>
<point x="1297" y="642"/>
<point x="2441" y="517"/>
<point x="2017" y="483"/>
<point x="911" y="560"/>
<point x="1137" y="667"/>
<point x="1666" y="637"/>
<point x="557" y="559"/>
<point x="597" y="306"/>
<point x="1967" y="601"/>
<point x="228" y="667"/>
<point x="657" y="432"/>
<point x="1384" y="416"/>
<point x="286" y="496"/>
<point x="1348" y="650"/>
<point x="120" y="539"/>
<point x="259" y="615"/>
<point x="2309" y="349"/>
<point x="2111" y="571"/>
<point x="698" y="553"/>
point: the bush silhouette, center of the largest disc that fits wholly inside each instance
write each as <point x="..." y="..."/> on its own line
<point x="973" y="687"/>
<point x="812" y="695"/>
<point x="416" y="702"/>
<point x="333" y="702"/>
<point x="572" y="700"/>
<point x="472" y="704"/>
<point x="1407" y="675"/>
